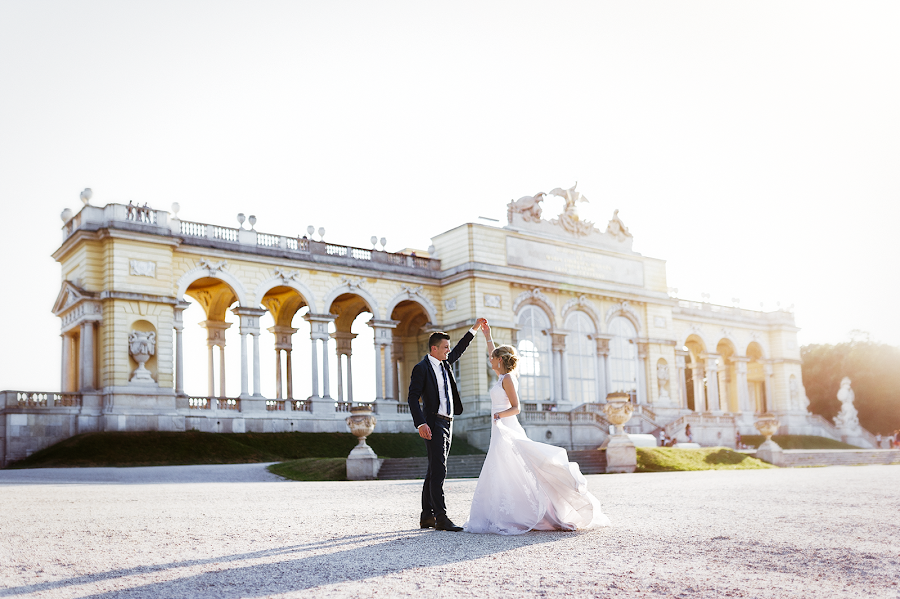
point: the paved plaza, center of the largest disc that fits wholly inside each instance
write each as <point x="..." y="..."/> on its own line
<point x="238" y="531"/>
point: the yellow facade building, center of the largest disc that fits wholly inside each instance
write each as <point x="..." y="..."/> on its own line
<point x="587" y="314"/>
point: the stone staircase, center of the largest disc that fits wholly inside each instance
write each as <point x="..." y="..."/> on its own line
<point x="840" y="457"/>
<point x="469" y="466"/>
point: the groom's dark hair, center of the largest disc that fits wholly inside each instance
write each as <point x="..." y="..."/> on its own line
<point x="435" y="339"/>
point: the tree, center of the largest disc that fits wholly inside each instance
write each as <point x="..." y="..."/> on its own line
<point x="873" y="368"/>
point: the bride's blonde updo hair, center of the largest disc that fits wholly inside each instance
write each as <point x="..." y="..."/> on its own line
<point x="507" y="355"/>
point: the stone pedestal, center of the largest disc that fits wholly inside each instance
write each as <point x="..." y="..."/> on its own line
<point x="362" y="463"/>
<point x="621" y="456"/>
<point x="769" y="451"/>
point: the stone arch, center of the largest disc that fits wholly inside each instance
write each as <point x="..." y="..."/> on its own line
<point x="584" y="305"/>
<point x="204" y="272"/>
<point x="625" y="310"/>
<point x="537" y="298"/>
<point x="696" y="334"/>
<point x="415" y="297"/>
<point x="755" y="349"/>
<point x="351" y="289"/>
<point x="263" y="288"/>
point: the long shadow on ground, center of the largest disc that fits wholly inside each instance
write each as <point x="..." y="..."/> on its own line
<point x="397" y="552"/>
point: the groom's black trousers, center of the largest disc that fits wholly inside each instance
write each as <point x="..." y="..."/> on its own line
<point x="438" y="450"/>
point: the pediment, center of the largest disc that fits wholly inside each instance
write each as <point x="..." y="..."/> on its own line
<point x="69" y="295"/>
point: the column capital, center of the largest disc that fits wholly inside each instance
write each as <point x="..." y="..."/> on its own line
<point x="249" y="319"/>
<point x="384" y="330"/>
<point x="318" y="325"/>
<point x="602" y="346"/>
<point x="215" y="332"/>
<point x="282" y="336"/>
<point x="558" y="341"/>
<point x="344" y="342"/>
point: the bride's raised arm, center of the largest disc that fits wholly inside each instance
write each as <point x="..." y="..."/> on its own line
<point x="486" y="329"/>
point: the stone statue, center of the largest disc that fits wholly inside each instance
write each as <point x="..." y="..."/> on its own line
<point x="142" y="345"/>
<point x="662" y="377"/>
<point x="617" y="228"/>
<point x="569" y="219"/>
<point x="848" y="418"/>
<point x="528" y="206"/>
<point x="798" y="395"/>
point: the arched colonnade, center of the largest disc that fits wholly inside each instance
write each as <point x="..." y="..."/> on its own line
<point x="285" y="299"/>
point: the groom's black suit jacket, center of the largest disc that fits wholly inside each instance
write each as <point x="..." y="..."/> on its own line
<point x="423" y="383"/>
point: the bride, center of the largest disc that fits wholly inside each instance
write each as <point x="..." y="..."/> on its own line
<point x="525" y="485"/>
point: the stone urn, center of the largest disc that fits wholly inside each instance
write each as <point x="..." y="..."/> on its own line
<point x="621" y="455"/>
<point x="769" y="451"/>
<point x="362" y="463"/>
<point x="141" y="345"/>
<point x="618" y="409"/>
<point x="767" y="425"/>
<point x="361" y="422"/>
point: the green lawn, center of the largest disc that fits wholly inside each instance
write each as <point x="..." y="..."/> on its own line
<point x="669" y="459"/>
<point x="153" y="448"/>
<point x="798" y="442"/>
<point x="310" y="469"/>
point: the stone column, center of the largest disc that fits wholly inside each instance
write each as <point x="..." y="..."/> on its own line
<point x="86" y="354"/>
<point x="318" y="330"/>
<point x="222" y="371"/>
<point x="642" y="378"/>
<point x="680" y="368"/>
<point x="179" y="347"/>
<point x="245" y="377"/>
<point x="712" y="383"/>
<point x="210" y="371"/>
<point x="277" y="373"/>
<point x="256" y="381"/>
<point x="215" y="337"/>
<point x="66" y="358"/>
<point x="343" y="342"/>
<point x="288" y="362"/>
<point x="603" y="388"/>
<point x="249" y="319"/>
<point x="558" y="347"/>
<point x="384" y="338"/>
<point x="743" y="390"/>
<point x="283" y="343"/>
<point x="349" y="378"/>
<point x="326" y="372"/>
<point x="770" y="396"/>
<point x="699" y="392"/>
<point x="315" y="368"/>
<point x="397" y="353"/>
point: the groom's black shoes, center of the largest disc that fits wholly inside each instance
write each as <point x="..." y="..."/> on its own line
<point x="426" y="521"/>
<point x="446" y="524"/>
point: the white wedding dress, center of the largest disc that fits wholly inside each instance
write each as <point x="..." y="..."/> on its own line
<point x="526" y="485"/>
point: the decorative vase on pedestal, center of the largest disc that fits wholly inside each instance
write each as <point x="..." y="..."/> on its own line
<point x="621" y="455"/>
<point x="141" y="346"/>
<point x="769" y="451"/>
<point x="362" y="463"/>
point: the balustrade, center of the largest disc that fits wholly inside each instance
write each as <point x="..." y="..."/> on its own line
<point x="199" y="403"/>
<point x="300" y="405"/>
<point x="273" y="405"/>
<point x="228" y="404"/>
<point x="40" y="399"/>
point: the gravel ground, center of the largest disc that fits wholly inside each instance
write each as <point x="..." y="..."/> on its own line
<point x="238" y="531"/>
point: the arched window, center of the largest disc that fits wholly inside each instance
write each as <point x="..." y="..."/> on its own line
<point x="534" y="355"/>
<point x="581" y="357"/>
<point x="623" y="357"/>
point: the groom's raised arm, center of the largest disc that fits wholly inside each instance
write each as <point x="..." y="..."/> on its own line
<point x="464" y="342"/>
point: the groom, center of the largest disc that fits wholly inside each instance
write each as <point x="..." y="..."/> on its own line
<point x="432" y="381"/>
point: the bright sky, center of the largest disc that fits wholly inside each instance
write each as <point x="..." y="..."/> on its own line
<point x="751" y="145"/>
